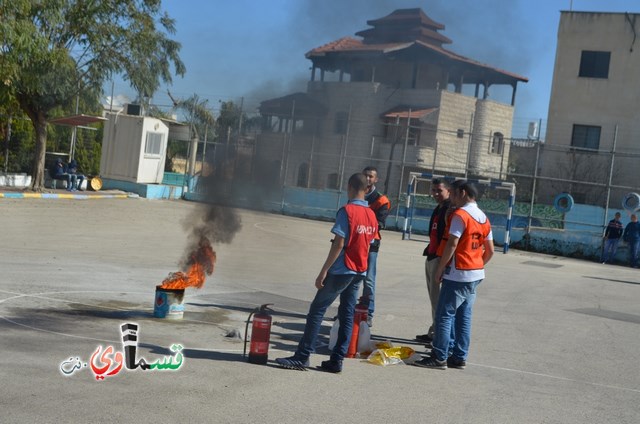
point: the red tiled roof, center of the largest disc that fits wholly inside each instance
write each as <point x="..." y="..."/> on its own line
<point x="352" y="45"/>
<point x="349" y="44"/>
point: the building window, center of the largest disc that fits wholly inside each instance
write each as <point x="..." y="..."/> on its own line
<point x="332" y="181"/>
<point x="497" y="143"/>
<point x="303" y="175"/>
<point x="460" y="133"/>
<point x="594" y="64"/>
<point x="586" y="137"/>
<point x="153" y="144"/>
<point x="342" y="119"/>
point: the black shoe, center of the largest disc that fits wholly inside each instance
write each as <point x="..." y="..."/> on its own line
<point x="431" y="362"/>
<point x="293" y="363"/>
<point x="331" y="366"/>
<point x="424" y="338"/>
<point x="456" y="363"/>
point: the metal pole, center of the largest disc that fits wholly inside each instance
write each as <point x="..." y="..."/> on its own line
<point x="313" y="142"/>
<point x="435" y="152"/>
<point x="343" y="159"/>
<point x="240" y="119"/>
<point x="286" y="164"/>
<point x="74" y="132"/>
<point x="7" y="139"/>
<point x="613" y="156"/>
<point x="533" y="187"/>
<point x="404" y="152"/>
<point x="466" y="168"/>
<point x="204" y="146"/>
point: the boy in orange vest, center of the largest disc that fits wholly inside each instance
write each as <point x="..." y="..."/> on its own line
<point x="461" y="269"/>
<point x="341" y="274"/>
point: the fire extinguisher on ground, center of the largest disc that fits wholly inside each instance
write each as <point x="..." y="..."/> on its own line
<point x="361" y="313"/>
<point x="260" y="335"/>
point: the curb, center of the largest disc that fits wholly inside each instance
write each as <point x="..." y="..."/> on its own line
<point x="63" y="196"/>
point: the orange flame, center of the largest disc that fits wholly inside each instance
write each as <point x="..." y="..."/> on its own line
<point x="200" y="262"/>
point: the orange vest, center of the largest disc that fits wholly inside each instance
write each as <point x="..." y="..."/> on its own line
<point x="363" y="226"/>
<point x="445" y="236"/>
<point x="380" y="201"/>
<point x="470" y="246"/>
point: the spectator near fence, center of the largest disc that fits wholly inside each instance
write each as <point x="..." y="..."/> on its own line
<point x="611" y="237"/>
<point x="632" y="237"/>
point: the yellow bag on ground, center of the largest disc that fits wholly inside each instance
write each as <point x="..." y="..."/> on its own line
<point x="390" y="355"/>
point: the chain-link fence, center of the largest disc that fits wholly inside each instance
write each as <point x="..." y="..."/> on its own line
<point x="300" y="163"/>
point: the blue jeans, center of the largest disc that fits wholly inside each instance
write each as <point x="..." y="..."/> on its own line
<point x="345" y="286"/>
<point x="609" y="250"/>
<point x="369" y="289"/>
<point x="453" y="317"/>
<point x="634" y="248"/>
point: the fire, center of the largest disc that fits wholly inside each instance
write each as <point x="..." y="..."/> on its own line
<point x="200" y="263"/>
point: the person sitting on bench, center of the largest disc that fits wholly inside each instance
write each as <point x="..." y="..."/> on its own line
<point x="59" y="172"/>
<point x="72" y="169"/>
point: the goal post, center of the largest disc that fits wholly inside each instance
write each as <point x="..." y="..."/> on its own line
<point x="415" y="177"/>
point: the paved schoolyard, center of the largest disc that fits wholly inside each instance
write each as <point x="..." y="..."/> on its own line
<point x="555" y="340"/>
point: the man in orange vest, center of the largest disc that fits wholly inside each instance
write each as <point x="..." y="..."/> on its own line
<point x="461" y="269"/>
<point x="343" y="270"/>
<point x="380" y="205"/>
<point x="437" y="226"/>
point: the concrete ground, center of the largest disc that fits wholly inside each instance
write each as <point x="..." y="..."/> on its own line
<point x="555" y="340"/>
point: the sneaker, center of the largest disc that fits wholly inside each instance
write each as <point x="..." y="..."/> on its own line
<point x="331" y="366"/>
<point x="370" y="321"/>
<point x="456" y="363"/>
<point x="424" y="338"/>
<point x="431" y="362"/>
<point x="293" y="363"/>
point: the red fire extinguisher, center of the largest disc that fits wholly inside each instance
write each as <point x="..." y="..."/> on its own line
<point x="361" y="313"/>
<point x="260" y="335"/>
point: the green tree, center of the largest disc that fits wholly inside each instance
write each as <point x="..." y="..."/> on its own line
<point x="52" y="50"/>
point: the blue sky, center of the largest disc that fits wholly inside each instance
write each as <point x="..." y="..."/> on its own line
<point x="254" y="49"/>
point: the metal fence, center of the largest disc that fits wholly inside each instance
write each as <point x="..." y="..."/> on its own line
<point x="268" y="165"/>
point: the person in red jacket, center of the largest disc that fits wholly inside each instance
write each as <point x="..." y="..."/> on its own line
<point x="468" y="248"/>
<point x="343" y="270"/>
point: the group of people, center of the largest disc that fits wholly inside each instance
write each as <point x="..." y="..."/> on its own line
<point x="629" y="234"/>
<point x="68" y="172"/>
<point x="461" y="243"/>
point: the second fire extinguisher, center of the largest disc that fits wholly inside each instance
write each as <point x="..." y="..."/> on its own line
<point x="260" y="335"/>
<point x="360" y="315"/>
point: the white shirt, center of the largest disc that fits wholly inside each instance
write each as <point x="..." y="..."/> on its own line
<point x="456" y="229"/>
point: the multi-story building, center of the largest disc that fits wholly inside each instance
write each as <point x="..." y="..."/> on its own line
<point x="395" y="98"/>
<point x="593" y="128"/>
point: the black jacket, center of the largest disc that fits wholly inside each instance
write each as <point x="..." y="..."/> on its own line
<point x="440" y="211"/>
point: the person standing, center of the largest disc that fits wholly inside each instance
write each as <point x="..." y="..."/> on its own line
<point x="437" y="224"/>
<point x="611" y="237"/>
<point x="341" y="274"/>
<point x="632" y="237"/>
<point x="380" y="205"/>
<point x="468" y="249"/>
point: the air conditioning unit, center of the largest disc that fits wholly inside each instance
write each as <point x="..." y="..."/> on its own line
<point x="133" y="109"/>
